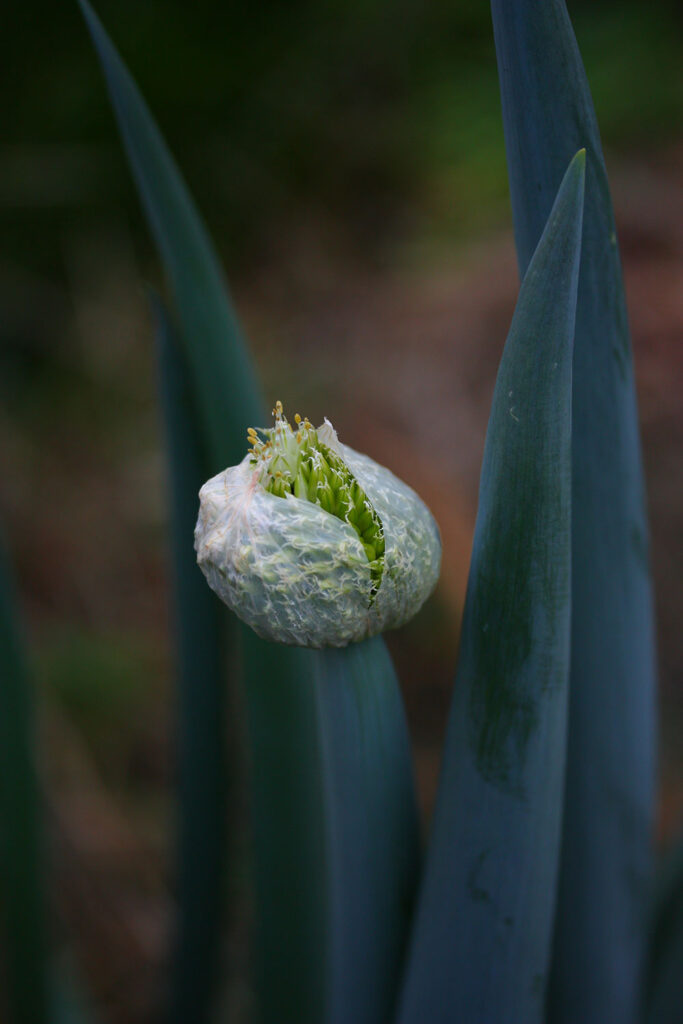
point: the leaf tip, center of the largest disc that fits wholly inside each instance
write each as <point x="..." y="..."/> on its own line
<point x="577" y="165"/>
<point x="86" y="9"/>
<point x="92" y="23"/>
<point x="575" y="176"/>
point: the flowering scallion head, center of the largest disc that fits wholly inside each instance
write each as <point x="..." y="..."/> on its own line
<point x="311" y="543"/>
<point x="297" y="461"/>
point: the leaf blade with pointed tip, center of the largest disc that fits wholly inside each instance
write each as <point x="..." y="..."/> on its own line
<point x="312" y="966"/>
<point x="221" y="369"/>
<point x="606" y="858"/>
<point x="481" y="943"/>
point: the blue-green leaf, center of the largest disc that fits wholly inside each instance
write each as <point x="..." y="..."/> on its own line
<point x="346" y="821"/>
<point x="22" y="926"/>
<point x="370" y="801"/>
<point x="220" y="367"/>
<point x="606" y="856"/>
<point x="317" y="720"/>
<point x="481" y="943"/>
<point x="199" y="646"/>
<point x="288" y="823"/>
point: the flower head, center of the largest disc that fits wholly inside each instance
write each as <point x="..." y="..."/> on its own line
<point x="312" y="543"/>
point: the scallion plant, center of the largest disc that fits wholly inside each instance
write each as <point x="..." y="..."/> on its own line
<point x="529" y="903"/>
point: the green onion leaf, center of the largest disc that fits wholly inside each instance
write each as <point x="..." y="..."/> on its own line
<point x="321" y="956"/>
<point x="606" y="855"/>
<point x="220" y="367"/>
<point x="481" y="943"/>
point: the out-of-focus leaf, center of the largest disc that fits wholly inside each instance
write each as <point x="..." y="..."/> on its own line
<point x="219" y="364"/>
<point x="200" y="670"/>
<point x="481" y="943"/>
<point x="68" y="1005"/>
<point x="321" y="957"/>
<point x="22" y="929"/>
<point x="663" y="988"/>
<point x="606" y="855"/>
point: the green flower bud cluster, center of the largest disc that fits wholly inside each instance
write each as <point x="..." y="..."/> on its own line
<point x="311" y="543"/>
<point x="298" y="462"/>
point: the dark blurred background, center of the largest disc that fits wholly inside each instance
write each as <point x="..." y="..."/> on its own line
<point x="349" y="160"/>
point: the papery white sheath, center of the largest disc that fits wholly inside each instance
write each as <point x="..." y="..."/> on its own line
<point x="311" y="543"/>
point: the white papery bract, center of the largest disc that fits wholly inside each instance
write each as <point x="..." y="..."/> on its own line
<point x="298" y="573"/>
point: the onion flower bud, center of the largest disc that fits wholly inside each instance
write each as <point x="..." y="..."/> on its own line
<point x="311" y="543"/>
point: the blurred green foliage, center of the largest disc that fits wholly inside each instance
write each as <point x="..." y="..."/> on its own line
<point x="102" y="681"/>
<point x="376" y="123"/>
<point x="382" y="118"/>
<point x="370" y="122"/>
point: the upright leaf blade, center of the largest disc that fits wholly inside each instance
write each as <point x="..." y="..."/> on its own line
<point x="606" y="857"/>
<point x="346" y="822"/>
<point x="199" y="636"/>
<point x="290" y="846"/>
<point x="313" y="965"/>
<point x="22" y="927"/>
<point x="222" y="373"/>
<point x="372" y="828"/>
<point x="481" y="943"/>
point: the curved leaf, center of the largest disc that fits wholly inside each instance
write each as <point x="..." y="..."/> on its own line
<point x="606" y="856"/>
<point x="222" y="374"/>
<point x="317" y="720"/>
<point x="481" y="944"/>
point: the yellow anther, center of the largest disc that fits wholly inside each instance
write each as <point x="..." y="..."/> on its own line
<point x="298" y="437"/>
<point x="297" y="418"/>
<point x="278" y="407"/>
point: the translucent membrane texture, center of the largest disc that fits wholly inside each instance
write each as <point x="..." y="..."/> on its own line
<point x="299" y="575"/>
